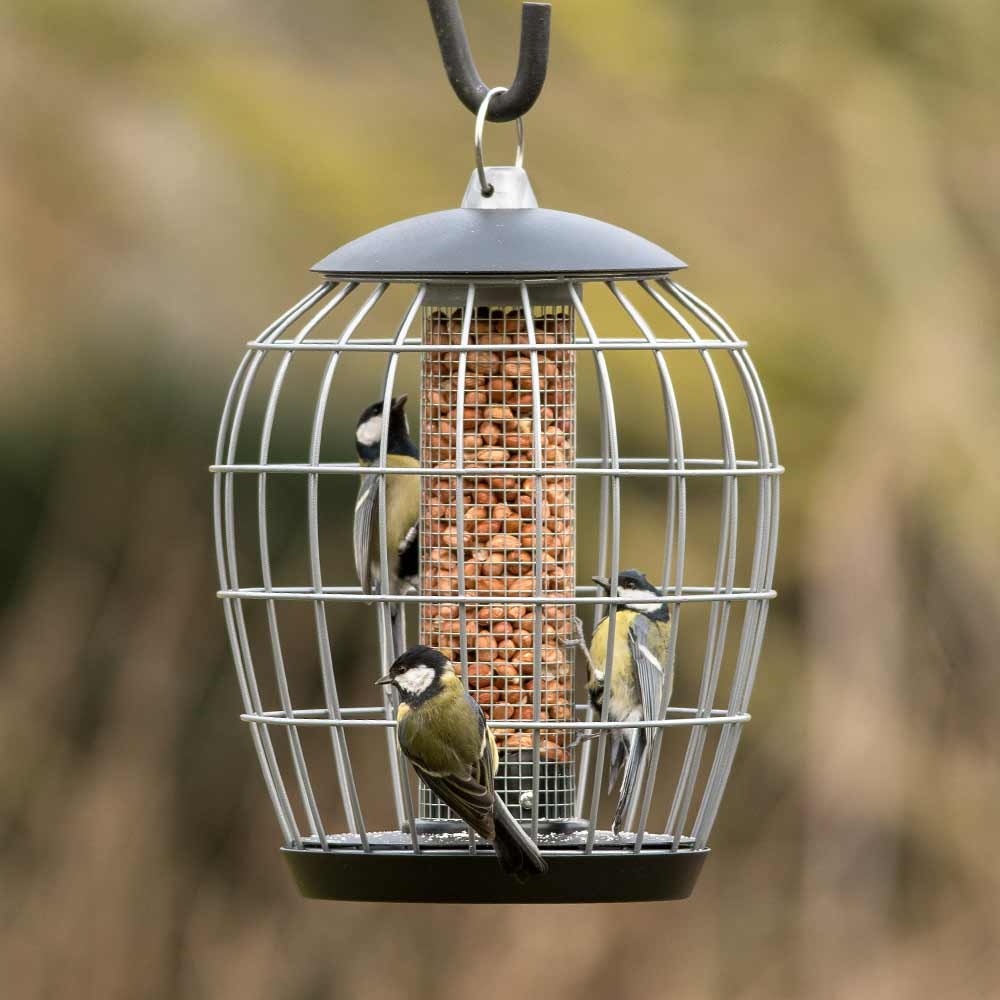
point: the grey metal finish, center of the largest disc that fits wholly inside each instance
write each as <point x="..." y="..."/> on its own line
<point x="517" y="244"/>
<point x="683" y="784"/>
<point x="509" y="187"/>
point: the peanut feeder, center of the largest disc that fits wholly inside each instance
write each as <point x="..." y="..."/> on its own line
<point x="504" y="405"/>
<point x="508" y="344"/>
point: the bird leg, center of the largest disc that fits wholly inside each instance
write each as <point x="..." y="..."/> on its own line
<point x="578" y="641"/>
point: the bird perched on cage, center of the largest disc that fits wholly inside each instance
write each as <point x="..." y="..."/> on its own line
<point x="443" y="733"/>
<point x="402" y="510"/>
<point x="642" y="632"/>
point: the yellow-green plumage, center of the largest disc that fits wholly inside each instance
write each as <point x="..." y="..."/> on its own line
<point x="402" y="501"/>
<point x="444" y="733"/>
<point x="624" y="684"/>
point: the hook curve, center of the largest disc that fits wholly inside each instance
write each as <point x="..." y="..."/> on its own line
<point x="532" y="60"/>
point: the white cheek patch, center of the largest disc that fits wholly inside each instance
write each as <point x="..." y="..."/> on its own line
<point x="370" y="431"/>
<point x="649" y="609"/>
<point x="636" y="602"/>
<point x="416" y="680"/>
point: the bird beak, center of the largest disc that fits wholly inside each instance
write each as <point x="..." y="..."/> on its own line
<point x="383" y="681"/>
<point x="400" y="401"/>
<point x="602" y="583"/>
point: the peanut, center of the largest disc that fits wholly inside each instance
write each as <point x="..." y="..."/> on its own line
<point x="504" y="542"/>
<point x="489" y="432"/>
<point x="491" y="456"/>
<point x="498" y="414"/>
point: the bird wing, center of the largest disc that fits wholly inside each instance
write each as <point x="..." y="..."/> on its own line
<point x="467" y="796"/>
<point x="648" y="670"/>
<point x="489" y="756"/>
<point x="470" y="794"/>
<point x="619" y="754"/>
<point x="364" y="527"/>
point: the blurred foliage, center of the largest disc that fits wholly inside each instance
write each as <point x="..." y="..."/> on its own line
<point x="828" y="171"/>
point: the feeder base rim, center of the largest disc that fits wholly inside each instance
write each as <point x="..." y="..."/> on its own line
<point x="456" y="876"/>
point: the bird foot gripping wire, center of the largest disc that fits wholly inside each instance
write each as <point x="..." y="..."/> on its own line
<point x="578" y="640"/>
<point x="577" y="637"/>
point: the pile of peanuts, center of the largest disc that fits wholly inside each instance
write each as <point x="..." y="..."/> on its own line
<point x="500" y="521"/>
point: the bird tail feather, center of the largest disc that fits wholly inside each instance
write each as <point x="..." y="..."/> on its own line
<point x="619" y="750"/>
<point x="516" y="851"/>
<point x="636" y="752"/>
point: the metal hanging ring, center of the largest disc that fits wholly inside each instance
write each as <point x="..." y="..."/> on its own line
<point x="484" y="184"/>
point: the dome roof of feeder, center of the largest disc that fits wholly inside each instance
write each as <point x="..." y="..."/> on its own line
<point x="533" y="244"/>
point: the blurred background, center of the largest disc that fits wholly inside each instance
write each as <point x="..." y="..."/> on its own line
<point x="829" y="172"/>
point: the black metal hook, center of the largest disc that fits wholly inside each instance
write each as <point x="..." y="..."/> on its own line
<point x="532" y="61"/>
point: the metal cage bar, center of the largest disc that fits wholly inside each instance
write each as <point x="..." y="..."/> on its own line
<point x="724" y="576"/>
<point x="225" y="536"/>
<point x="608" y="408"/>
<point x="676" y="440"/>
<point x="536" y="451"/>
<point x="603" y="522"/>
<point x="463" y="614"/>
<point x="583" y="469"/>
<point x="345" y="773"/>
<point x="402" y="791"/>
<point x="692" y="721"/>
<point x="763" y="563"/>
<point x="417" y="346"/>
<point x="585" y="596"/>
<point x="316" y="825"/>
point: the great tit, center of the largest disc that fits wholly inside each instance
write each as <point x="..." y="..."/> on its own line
<point x="443" y="733"/>
<point x="642" y="632"/>
<point x="402" y="500"/>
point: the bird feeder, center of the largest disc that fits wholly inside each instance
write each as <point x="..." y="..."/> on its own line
<point x="510" y="502"/>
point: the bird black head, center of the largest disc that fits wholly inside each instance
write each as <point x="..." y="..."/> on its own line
<point x="417" y="673"/>
<point x="639" y="593"/>
<point x="368" y="435"/>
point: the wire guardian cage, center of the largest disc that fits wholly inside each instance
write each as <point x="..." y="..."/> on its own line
<point x="518" y="505"/>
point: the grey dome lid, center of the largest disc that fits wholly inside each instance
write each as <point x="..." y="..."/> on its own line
<point x="498" y="244"/>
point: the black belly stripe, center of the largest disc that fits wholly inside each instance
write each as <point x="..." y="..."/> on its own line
<point x="409" y="559"/>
